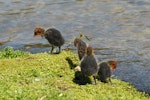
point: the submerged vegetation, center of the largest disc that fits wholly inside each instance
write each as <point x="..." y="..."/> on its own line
<point x="52" y="77"/>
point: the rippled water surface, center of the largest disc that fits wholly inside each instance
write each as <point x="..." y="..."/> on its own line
<point x="118" y="29"/>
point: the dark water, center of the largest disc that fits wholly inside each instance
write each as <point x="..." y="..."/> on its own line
<point x="118" y="29"/>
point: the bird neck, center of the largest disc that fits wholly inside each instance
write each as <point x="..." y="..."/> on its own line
<point x="90" y="54"/>
<point x="43" y="33"/>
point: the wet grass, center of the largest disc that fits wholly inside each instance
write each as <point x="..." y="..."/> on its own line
<point x="52" y="77"/>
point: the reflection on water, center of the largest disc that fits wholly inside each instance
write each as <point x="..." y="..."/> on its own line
<point x="119" y="29"/>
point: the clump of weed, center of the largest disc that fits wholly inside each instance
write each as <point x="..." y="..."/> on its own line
<point x="9" y="52"/>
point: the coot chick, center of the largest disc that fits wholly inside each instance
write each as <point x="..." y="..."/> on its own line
<point x="104" y="71"/>
<point x="81" y="47"/>
<point x="53" y="36"/>
<point x="88" y="64"/>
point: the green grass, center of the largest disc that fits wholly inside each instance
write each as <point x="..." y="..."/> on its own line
<point x="9" y="53"/>
<point x="51" y="77"/>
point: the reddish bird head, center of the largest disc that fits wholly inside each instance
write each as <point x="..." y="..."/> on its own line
<point x="89" y="51"/>
<point x="76" y="41"/>
<point x="38" y="31"/>
<point x="113" y="64"/>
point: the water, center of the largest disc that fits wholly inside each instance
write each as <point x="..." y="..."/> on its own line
<point x="118" y="29"/>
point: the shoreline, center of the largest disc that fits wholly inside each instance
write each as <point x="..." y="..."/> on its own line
<point x="42" y="72"/>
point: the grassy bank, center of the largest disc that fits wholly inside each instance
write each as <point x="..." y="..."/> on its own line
<point x="51" y="77"/>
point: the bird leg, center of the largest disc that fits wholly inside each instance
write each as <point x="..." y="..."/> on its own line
<point x="94" y="80"/>
<point x="110" y="81"/>
<point x="59" y="49"/>
<point x="52" y="49"/>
